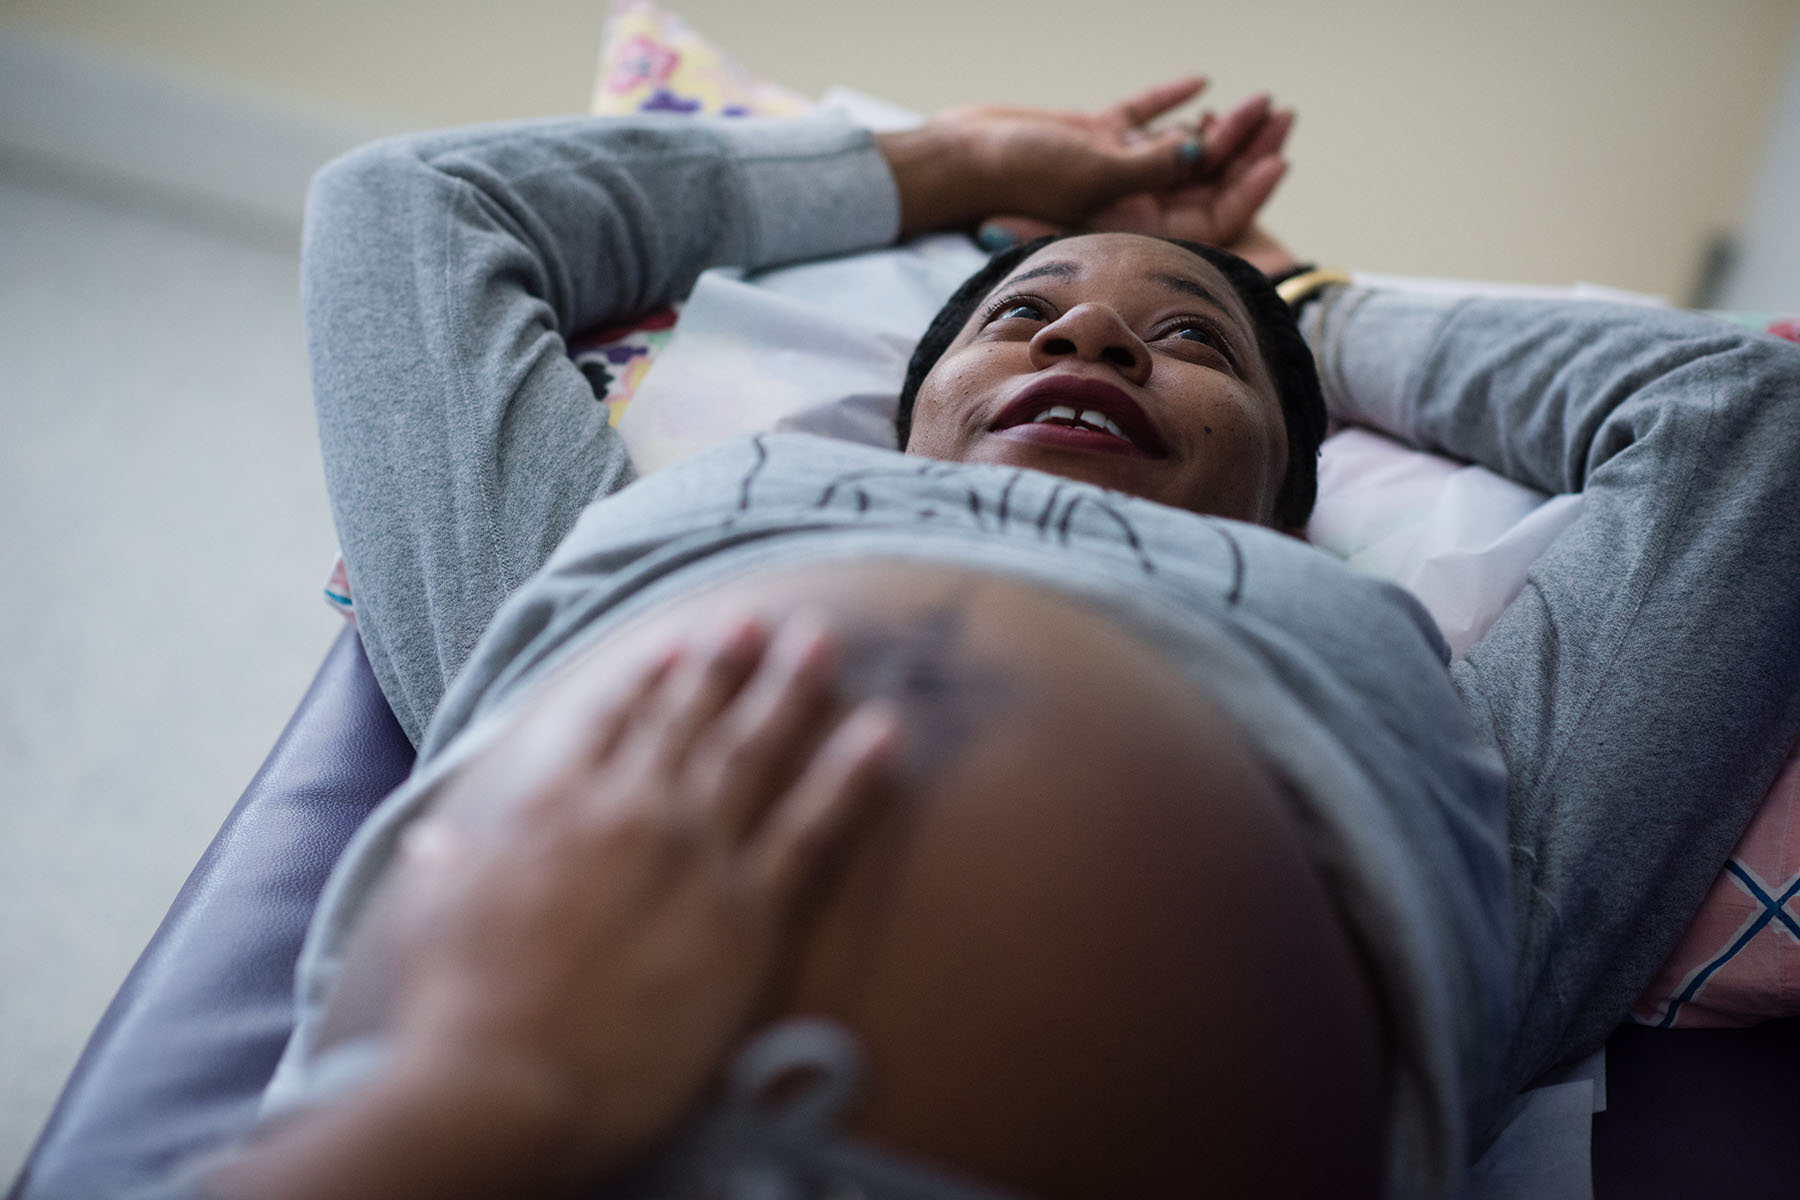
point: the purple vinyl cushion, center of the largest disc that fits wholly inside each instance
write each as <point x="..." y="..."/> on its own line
<point x="179" y="1060"/>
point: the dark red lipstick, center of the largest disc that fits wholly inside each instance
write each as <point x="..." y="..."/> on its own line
<point x="1083" y="394"/>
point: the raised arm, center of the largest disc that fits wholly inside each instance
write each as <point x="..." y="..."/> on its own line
<point x="440" y="277"/>
<point x="1645" y="685"/>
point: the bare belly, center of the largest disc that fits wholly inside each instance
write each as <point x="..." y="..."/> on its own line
<point x="1086" y="952"/>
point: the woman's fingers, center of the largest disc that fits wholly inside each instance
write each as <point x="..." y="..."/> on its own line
<point x="752" y="753"/>
<point x="1157" y="163"/>
<point x="768" y="776"/>
<point x="1226" y="136"/>
<point x="705" y="680"/>
<point x="842" y="781"/>
<point x="727" y="752"/>
<point x="1242" y="198"/>
<point x="1263" y="143"/>
<point x="1272" y="135"/>
<point x="1155" y="100"/>
<point x="609" y="714"/>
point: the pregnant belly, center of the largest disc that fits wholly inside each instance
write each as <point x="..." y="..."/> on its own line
<point x="1085" y="951"/>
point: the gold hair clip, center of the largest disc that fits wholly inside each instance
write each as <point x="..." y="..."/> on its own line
<point x="1300" y="288"/>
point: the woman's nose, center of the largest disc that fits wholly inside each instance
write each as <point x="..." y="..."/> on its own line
<point x="1092" y="333"/>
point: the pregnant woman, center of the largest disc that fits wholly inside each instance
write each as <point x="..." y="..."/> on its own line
<point x="1045" y="814"/>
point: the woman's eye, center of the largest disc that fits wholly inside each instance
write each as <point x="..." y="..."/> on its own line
<point x="1021" y="311"/>
<point x="1204" y="334"/>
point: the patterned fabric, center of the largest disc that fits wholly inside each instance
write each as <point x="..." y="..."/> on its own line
<point x="616" y="358"/>
<point x="1787" y="327"/>
<point x="337" y="589"/>
<point x="1739" y="962"/>
<point x="650" y="61"/>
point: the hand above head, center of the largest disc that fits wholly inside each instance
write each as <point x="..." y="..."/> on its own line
<point x="596" y="909"/>
<point x="1024" y="172"/>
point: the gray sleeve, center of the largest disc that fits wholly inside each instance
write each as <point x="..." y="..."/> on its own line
<point x="440" y="276"/>
<point x="1644" y="687"/>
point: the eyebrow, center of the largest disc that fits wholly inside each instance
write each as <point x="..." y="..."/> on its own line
<point x="1062" y="270"/>
<point x="1192" y="287"/>
<point x="1175" y="283"/>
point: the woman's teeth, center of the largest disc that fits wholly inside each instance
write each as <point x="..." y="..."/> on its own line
<point x="1093" y="418"/>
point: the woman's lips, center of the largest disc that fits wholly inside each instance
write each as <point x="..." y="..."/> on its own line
<point x="1074" y="395"/>
<point x="1069" y="437"/>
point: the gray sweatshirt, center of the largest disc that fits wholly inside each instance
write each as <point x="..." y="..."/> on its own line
<point x="1518" y="840"/>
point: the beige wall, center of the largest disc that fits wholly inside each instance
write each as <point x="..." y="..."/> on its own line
<point x="1540" y="140"/>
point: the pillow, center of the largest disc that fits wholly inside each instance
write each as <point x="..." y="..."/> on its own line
<point x="823" y="347"/>
<point x="1737" y="963"/>
<point x="650" y="61"/>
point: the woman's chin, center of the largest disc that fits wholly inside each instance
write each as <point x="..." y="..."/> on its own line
<point x="1132" y="473"/>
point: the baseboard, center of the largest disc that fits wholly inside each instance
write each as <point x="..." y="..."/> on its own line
<point x="235" y="151"/>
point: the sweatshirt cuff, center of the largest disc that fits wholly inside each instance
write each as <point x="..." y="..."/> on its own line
<point x="817" y="186"/>
<point x="1369" y="345"/>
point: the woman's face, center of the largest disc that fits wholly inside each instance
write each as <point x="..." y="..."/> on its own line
<point x="1120" y="360"/>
